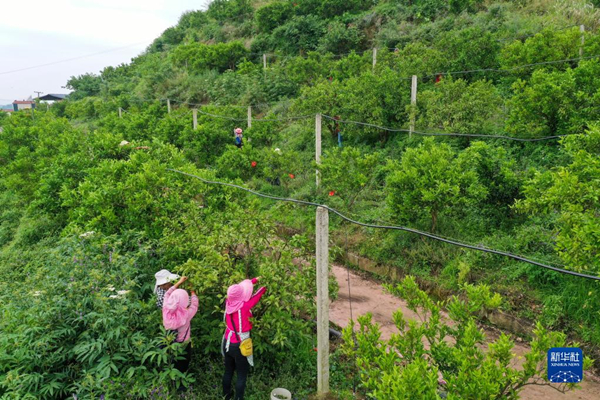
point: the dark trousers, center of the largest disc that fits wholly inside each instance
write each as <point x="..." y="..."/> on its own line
<point x="234" y="360"/>
<point x="184" y="364"/>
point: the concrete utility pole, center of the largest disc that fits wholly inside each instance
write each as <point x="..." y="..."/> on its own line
<point x="318" y="144"/>
<point x="374" y="58"/>
<point x="322" y="230"/>
<point x="582" y="30"/>
<point x="38" y="96"/>
<point x="264" y="61"/>
<point x="120" y="112"/>
<point x="169" y="106"/>
<point x="413" y="104"/>
<point x="195" y="114"/>
<point x="249" y="116"/>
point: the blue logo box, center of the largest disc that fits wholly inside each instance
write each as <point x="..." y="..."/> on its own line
<point x="565" y="365"/>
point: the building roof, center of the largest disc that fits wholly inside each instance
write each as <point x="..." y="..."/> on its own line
<point x="23" y="102"/>
<point x="53" y="96"/>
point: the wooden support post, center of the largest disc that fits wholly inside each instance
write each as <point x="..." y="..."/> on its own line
<point x="318" y="144"/>
<point x="413" y="104"/>
<point x="374" y="58"/>
<point x="195" y="114"/>
<point x="249" y="116"/>
<point x="322" y="231"/>
<point x="582" y="30"/>
<point x="264" y="61"/>
<point x="120" y="113"/>
<point x="169" y="105"/>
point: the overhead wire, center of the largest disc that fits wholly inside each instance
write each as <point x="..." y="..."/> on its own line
<point x="392" y="227"/>
<point x="512" y="68"/>
<point x="71" y="59"/>
<point x="269" y="104"/>
<point x="520" y="37"/>
<point x="299" y="117"/>
<point x="422" y="133"/>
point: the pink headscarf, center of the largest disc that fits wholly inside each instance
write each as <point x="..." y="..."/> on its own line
<point x="238" y="131"/>
<point x="237" y="295"/>
<point x="174" y="310"/>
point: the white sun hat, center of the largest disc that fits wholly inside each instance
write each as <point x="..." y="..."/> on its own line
<point x="164" y="276"/>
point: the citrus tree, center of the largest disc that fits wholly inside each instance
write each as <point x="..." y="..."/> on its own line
<point x="430" y="180"/>
<point x="437" y="357"/>
<point x="570" y="195"/>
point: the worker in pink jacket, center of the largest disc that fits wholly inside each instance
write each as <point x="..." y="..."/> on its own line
<point x="177" y="316"/>
<point x="237" y="318"/>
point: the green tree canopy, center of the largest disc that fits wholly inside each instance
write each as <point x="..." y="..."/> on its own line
<point x="431" y="180"/>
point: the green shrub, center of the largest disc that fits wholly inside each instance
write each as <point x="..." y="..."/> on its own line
<point x="341" y="39"/>
<point x="270" y="16"/>
<point x="84" y="85"/>
<point x="230" y="10"/>
<point x="299" y="35"/>
<point x="459" y="107"/>
<point x="199" y="56"/>
<point x="571" y="194"/>
<point x="431" y="180"/>
<point x="435" y="356"/>
<point x="79" y="324"/>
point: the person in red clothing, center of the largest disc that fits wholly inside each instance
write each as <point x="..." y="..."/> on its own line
<point x="237" y="318"/>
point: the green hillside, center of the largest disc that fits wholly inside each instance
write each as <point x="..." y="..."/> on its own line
<point x="500" y="151"/>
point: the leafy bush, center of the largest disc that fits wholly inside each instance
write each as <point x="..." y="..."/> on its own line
<point x="77" y="324"/>
<point x="230" y="10"/>
<point x="334" y="8"/>
<point x="548" y="45"/>
<point x="349" y="173"/>
<point x="456" y="106"/>
<point x="555" y="102"/>
<point x="199" y="56"/>
<point x="83" y="86"/>
<point x="544" y="106"/>
<point x="299" y="35"/>
<point x="571" y="193"/>
<point x="425" y="9"/>
<point x="170" y="38"/>
<point x="272" y="15"/>
<point x="434" y="358"/>
<point x="192" y="20"/>
<point x="430" y="180"/>
<point x="496" y="171"/>
<point x="341" y="39"/>
<point x="379" y="99"/>
<point x="472" y="48"/>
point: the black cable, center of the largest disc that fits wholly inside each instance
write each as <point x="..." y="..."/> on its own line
<point x="256" y="119"/>
<point x="71" y="59"/>
<point x="421" y="133"/>
<point x="392" y="227"/>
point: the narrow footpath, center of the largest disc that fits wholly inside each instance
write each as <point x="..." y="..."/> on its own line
<point x="368" y="296"/>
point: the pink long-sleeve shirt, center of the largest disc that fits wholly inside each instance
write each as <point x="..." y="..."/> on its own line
<point x="246" y="315"/>
<point x="183" y="332"/>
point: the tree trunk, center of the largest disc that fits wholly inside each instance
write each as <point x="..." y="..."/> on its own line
<point x="433" y="220"/>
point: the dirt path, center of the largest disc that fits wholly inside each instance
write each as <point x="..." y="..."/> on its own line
<point x="370" y="296"/>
